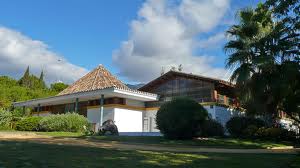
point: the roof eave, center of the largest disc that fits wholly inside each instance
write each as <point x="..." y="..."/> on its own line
<point x="137" y="95"/>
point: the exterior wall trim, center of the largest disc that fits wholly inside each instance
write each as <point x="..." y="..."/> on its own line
<point x="118" y="106"/>
<point x="138" y="95"/>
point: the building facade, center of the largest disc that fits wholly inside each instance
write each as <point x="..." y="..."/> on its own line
<point x="101" y="96"/>
<point x="217" y="96"/>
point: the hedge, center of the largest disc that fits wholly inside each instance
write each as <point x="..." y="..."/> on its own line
<point x="69" y="122"/>
<point x="28" y="124"/>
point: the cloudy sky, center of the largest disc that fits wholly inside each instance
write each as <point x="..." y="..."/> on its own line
<point x="134" y="39"/>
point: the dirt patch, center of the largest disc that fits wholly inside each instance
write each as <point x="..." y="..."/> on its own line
<point x="20" y="135"/>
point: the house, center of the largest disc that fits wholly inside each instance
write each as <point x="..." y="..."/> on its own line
<point x="101" y="96"/>
<point x="217" y="96"/>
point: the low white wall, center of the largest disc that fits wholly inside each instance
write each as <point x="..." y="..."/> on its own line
<point x="224" y="114"/>
<point x="128" y="120"/>
<point x="211" y="111"/>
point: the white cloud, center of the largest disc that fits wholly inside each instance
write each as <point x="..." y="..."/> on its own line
<point x="212" y="42"/>
<point x="18" y="51"/>
<point x="164" y="35"/>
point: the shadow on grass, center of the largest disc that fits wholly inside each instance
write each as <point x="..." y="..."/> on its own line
<point x="229" y="143"/>
<point x="26" y="154"/>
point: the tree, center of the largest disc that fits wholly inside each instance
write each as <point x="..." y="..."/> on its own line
<point x="287" y="14"/>
<point x="41" y="79"/>
<point x="265" y="51"/>
<point x="31" y="81"/>
<point x="24" y="81"/>
<point x="247" y="52"/>
<point x="58" y="87"/>
<point x="12" y="90"/>
<point x="42" y="76"/>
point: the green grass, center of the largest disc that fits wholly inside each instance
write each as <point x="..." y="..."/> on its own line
<point x="61" y="134"/>
<point x="25" y="154"/>
<point x="210" y="142"/>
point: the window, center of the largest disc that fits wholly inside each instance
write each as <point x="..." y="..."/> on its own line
<point x="146" y="124"/>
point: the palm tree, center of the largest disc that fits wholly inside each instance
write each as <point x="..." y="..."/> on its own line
<point x="248" y="55"/>
<point x="261" y="50"/>
<point x="246" y="49"/>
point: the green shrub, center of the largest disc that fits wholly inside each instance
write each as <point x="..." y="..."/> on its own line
<point x="275" y="134"/>
<point x="250" y="131"/>
<point x="6" y="119"/>
<point x="28" y="124"/>
<point x="237" y="125"/>
<point x="287" y="135"/>
<point x="211" y="128"/>
<point x="180" y="118"/>
<point x="69" y="122"/>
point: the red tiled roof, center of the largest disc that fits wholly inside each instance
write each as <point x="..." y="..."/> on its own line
<point x="99" y="78"/>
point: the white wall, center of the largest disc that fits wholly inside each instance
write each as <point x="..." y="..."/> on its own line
<point x="128" y="120"/>
<point x="150" y="117"/>
<point x="224" y="114"/>
<point x="211" y="111"/>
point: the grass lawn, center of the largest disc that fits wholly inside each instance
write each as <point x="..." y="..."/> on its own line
<point x="25" y="154"/>
<point x="61" y="134"/>
<point x="210" y="142"/>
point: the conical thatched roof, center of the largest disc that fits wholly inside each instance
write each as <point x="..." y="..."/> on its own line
<point x="99" y="78"/>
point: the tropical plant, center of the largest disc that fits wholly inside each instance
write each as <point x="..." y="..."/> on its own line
<point x="264" y="53"/>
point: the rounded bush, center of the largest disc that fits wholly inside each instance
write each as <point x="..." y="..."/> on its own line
<point x="275" y="134"/>
<point x="237" y="125"/>
<point x="180" y="118"/>
<point x="28" y="124"/>
<point x="69" y="122"/>
<point x="211" y="128"/>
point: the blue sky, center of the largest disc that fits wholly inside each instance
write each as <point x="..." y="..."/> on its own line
<point x="86" y="33"/>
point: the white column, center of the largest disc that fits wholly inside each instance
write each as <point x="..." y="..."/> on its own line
<point x="101" y="109"/>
